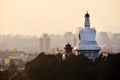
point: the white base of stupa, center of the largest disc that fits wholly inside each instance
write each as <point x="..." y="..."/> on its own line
<point x="91" y="54"/>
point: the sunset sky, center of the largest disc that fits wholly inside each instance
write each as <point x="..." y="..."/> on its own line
<point x="34" y="17"/>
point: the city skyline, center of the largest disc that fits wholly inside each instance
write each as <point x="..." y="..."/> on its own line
<point x="35" y="17"/>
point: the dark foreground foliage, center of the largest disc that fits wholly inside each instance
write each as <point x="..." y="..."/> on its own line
<point x="51" y="67"/>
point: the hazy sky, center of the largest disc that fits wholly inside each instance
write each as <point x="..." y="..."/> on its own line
<point x="34" y="17"/>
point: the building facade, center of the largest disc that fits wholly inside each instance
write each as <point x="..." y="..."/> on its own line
<point x="45" y="43"/>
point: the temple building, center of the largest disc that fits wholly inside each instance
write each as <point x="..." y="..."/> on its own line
<point x="68" y="49"/>
<point x="87" y="44"/>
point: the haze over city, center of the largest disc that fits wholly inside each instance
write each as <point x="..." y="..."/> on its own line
<point x="59" y="39"/>
<point x="35" y="17"/>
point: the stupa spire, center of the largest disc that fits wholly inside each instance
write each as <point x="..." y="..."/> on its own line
<point x="87" y="21"/>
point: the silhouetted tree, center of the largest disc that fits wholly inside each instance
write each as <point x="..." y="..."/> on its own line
<point x="49" y="67"/>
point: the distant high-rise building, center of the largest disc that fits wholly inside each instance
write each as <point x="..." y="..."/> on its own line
<point x="70" y="38"/>
<point x="74" y="41"/>
<point x="2" y="45"/>
<point x="87" y="44"/>
<point x="77" y="33"/>
<point x="104" y="41"/>
<point x="45" y="43"/>
<point x="57" y="41"/>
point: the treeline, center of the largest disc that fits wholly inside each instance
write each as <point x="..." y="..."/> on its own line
<point x="51" y="67"/>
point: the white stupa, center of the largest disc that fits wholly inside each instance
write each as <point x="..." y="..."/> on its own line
<point x="87" y="44"/>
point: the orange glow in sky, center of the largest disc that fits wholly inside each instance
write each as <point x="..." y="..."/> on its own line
<point x="34" y="17"/>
